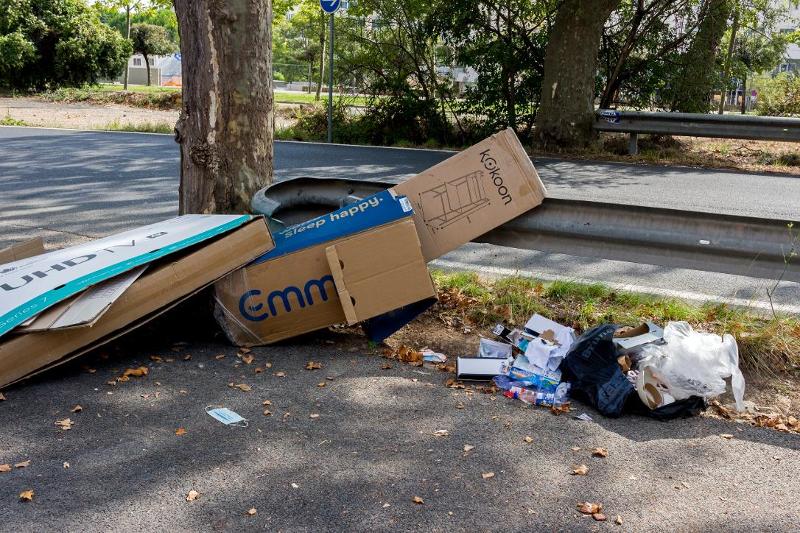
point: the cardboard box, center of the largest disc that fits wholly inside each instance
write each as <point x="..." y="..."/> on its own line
<point x="21" y="250"/>
<point x="31" y="285"/>
<point x="481" y="368"/>
<point x="166" y="282"/>
<point x="472" y="193"/>
<point x="355" y="263"/>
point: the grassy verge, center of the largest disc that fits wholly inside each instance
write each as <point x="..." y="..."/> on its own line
<point x="144" y="127"/>
<point x="766" y="344"/>
<point x="146" y="97"/>
<point x="8" y="120"/>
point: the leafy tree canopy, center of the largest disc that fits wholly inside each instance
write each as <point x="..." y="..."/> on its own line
<point x="51" y="43"/>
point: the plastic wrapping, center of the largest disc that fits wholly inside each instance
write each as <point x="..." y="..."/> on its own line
<point x="696" y="364"/>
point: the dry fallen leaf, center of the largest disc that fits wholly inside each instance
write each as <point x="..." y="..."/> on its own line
<point x="599" y="452"/>
<point x="313" y="415"/>
<point x="417" y="500"/>
<point x="180" y="431"/>
<point x="241" y="386"/>
<point x="386" y="366"/>
<point x="441" y="433"/>
<point x="487" y="475"/>
<point x="313" y="365"/>
<point x="5" y="467"/>
<point x="576" y="448"/>
<point x="76" y="409"/>
<point x="468" y="447"/>
<point x="156" y="358"/>
<point x="726" y="436"/>
<point x="280" y="374"/>
<point x="187" y="357"/>
<point x="618" y="520"/>
<point x="192" y="496"/>
<point x="252" y="511"/>
<point x="322" y="384"/>
<point x="64" y="424"/>
<point x="23" y="464"/>
<point x="528" y="439"/>
<point x="66" y="465"/>
<point x="600" y="517"/>
<point x="267" y="412"/>
<point x="266" y="402"/>
<point x="580" y="470"/>
<point x="459" y="405"/>
<point x="2" y="398"/>
<point x="589" y="507"/>
<point x="135" y="372"/>
<point x="258" y="370"/>
<point x="26" y="495"/>
<point x="248" y="359"/>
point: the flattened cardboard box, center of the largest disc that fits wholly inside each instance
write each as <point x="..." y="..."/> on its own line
<point x="164" y="284"/>
<point x="368" y="253"/>
<point x="472" y="193"/>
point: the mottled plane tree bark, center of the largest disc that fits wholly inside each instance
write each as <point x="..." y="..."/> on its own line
<point x="225" y="129"/>
<point x="566" y="111"/>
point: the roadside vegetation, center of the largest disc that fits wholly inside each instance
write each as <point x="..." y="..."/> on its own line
<point x="141" y="127"/>
<point x="768" y="345"/>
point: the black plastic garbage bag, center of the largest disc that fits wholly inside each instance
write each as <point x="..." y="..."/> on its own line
<point x="592" y="369"/>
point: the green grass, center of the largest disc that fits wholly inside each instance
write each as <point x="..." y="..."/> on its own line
<point x="8" y="120"/>
<point x="143" y="89"/>
<point x="305" y="98"/>
<point x="766" y="344"/>
<point x="145" y="127"/>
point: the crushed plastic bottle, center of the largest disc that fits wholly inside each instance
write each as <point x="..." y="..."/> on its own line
<point x="535" y="397"/>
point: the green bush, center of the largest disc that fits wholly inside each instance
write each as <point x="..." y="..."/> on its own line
<point x="780" y="96"/>
<point x="56" y="43"/>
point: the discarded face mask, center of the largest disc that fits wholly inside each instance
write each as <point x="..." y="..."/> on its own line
<point x="226" y="416"/>
<point x="433" y="357"/>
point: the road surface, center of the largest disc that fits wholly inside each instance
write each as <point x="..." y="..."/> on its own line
<point x="373" y="447"/>
<point x="72" y="185"/>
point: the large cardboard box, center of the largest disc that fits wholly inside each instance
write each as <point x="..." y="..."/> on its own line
<point x="353" y="264"/>
<point x="208" y="252"/>
<point x="472" y="193"/>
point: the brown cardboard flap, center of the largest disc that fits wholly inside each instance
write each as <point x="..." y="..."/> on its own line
<point x="472" y="193"/>
<point x="22" y="250"/>
<point x="346" y="300"/>
<point x="378" y="271"/>
<point x="161" y="286"/>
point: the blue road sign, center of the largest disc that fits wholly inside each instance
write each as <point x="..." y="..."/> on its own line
<point x="330" y="6"/>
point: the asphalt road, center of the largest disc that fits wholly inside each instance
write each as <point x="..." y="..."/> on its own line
<point x="71" y="185"/>
<point x="372" y="448"/>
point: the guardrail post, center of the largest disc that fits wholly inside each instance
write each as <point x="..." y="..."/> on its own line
<point x="633" y="144"/>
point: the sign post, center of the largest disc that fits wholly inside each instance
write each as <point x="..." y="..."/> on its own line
<point x="330" y="7"/>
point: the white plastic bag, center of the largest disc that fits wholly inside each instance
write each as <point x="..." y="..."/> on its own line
<point x="696" y="364"/>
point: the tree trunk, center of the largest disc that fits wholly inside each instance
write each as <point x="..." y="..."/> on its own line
<point x="566" y="112"/>
<point x="321" y="55"/>
<point x="225" y="128"/>
<point x="147" y="66"/>
<point x="744" y="94"/>
<point x="726" y="71"/>
<point x="698" y="77"/>
<point x="127" y="36"/>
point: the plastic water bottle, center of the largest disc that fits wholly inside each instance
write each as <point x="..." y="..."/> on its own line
<point x="549" y="399"/>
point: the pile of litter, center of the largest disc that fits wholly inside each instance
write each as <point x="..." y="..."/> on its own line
<point x="662" y="373"/>
<point x="365" y="263"/>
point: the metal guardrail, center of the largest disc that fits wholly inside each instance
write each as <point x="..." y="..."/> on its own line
<point x="747" y="246"/>
<point x="697" y="125"/>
